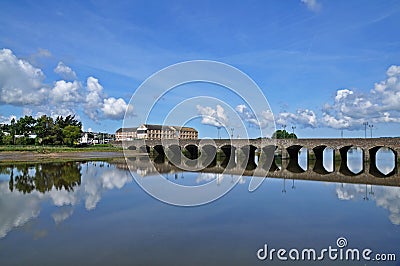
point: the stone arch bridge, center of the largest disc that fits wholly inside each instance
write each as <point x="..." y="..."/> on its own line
<point x="287" y="149"/>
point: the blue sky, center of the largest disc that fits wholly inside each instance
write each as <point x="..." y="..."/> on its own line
<point x="323" y="65"/>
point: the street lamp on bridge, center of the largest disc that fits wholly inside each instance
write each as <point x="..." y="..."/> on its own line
<point x="365" y="129"/>
<point x="370" y="127"/>
<point x="293" y="128"/>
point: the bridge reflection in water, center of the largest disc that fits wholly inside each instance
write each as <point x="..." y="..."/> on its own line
<point x="146" y="166"/>
<point x="279" y="158"/>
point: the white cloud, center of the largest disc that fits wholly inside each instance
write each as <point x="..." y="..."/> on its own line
<point x="20" y="82"/>
<point x="7" y="120"/>
<point x="334" y="122"/>
<point x="303" y="118"/>
<point x="385" y="197"/>
<point x="342" y="94"/>
<point x="393" y="71"/>
<point x="350" y="109"/>
<point x="94" y="98"/>
<point x="266" y="118"/>
<point x="62" y="215"/>
<point x="96" y="105"/>
<point x="312" y="5"/>
<point x="65" y="71"/>
<point x="43" y="53"/>
<point x="64" y="91"/>
<point x="205" y="178"/>
<point x="20" y="208"/>
<point x="16" y="209"/>
<point x="388" y="91"/>
<point x="62" y="197"/>
<point x="114" y="108"/>
<point x="114" y="179"/>
<point x="213" y="117"/>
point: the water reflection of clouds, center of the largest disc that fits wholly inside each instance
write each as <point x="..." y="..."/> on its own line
<point x="385" y="197"/>
<point x="203" y="178"/>
<point x="62" y="214"/>
<point x="17" y="208"/>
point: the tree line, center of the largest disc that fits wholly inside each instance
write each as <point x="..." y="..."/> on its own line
<point x="283" y="134"/>
<point x="41" y="131"/>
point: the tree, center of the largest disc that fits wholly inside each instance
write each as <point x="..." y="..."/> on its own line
<point x="13" y="130"/>
<point x="71" y="134"/>
<point x="283" y="134"/>
<point x="44" y="129"/>
<point x="25" y="125"/>
<point x="7" y="140"/>
<point x="60" y="124"/>
<point x="49" y="131"/>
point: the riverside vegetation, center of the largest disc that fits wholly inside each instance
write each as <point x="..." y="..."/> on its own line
<point x="45" y="135"/>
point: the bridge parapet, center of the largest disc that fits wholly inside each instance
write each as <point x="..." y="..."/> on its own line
<point x="365" y="144"/>
<point x="288" y="148"/>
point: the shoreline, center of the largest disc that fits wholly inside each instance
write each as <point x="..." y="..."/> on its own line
<point x="35" y="157"/>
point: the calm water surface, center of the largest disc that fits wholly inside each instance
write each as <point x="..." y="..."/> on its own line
<point x="94" y="213"/>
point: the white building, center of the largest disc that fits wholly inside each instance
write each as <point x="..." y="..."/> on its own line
<point x="146" y="131"/>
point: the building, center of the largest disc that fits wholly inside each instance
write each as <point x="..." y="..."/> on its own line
<point x="146" y="131"/>
<point x="126" y="134"/>
<point x="91" y="138"/>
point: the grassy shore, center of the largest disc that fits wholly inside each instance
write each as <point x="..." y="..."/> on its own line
<point x="58" y="160"/>
<point x="29" y="154"/>
<point x="53" y="149"/>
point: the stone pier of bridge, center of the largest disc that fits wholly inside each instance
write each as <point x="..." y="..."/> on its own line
<point x="285" y="149"/>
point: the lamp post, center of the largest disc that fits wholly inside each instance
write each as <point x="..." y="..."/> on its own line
<point x="371" y="192"/>
<point x="232" y="129"/>
<point x="293" y="128"/>
<point x="370" y="127"/>
<point x="366" y="193"/>
<point x="284" y="185"/>
<point x="365" y="129"/>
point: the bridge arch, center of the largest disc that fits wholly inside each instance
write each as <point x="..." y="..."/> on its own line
<point x="374" y="167"/>
<point x="320" y="165"/>
<point x="208" y="154"/>
<point x="132" y="148"/>
<point x="247" y="157"/>
<point x="293" y="165"/>
<point x="160" y="154"/>
<point x="228" y="156"/>
<point x="159" y="149"/>
<point x="145" y="149"/>
<point x="174" y="154"/>
<point x="267" y="158"/>
<point x="192" y="151"/>
<point x="344" y="164"/>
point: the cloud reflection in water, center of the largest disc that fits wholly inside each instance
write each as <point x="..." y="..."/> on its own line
<point x="17" y="207"/>
<point x="385" y="197"/>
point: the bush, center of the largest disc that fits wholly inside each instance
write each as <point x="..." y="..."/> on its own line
<point x="7" y="140"/>
<point x="24" y="141"/>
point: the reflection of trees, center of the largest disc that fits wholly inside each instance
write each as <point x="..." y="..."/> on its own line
<point x="43" y="177"/>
